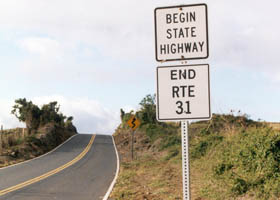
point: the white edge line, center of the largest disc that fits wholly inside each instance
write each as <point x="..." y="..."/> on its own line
<point x="116" y="174"/>
<point x="40" y="155"/>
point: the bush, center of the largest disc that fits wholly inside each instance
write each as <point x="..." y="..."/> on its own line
<point x="173" y="152"/>
<point x="254" y="154"/>
<point x="240" y="186"/>
<point x="36" y="117"/>
<point x="198" y="150"/>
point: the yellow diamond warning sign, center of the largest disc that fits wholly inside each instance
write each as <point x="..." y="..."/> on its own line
<point x="133" y="122"/>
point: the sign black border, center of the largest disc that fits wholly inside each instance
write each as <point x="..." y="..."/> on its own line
<point x="180" y="6"/>
<point x="181" y="119"/>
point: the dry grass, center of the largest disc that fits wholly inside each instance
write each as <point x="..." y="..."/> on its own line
<point x="150" y="176"/>
<point x="274" y="125"/>
<point x="11" y="137"/>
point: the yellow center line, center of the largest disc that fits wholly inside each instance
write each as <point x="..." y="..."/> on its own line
<point x="50" y="173"/>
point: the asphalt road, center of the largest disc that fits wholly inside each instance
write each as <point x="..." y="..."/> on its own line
<point x="89" y="178"/>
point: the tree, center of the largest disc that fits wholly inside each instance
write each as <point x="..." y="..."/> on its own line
<point x="122" y="114"/>
<point x="50" y="113"/>
<point x="34" y="117"/>
<point x="27" y="112"/>
<point x="147" y="111"/>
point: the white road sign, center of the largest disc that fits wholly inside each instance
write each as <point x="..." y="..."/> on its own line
<point x="183" y="92"/>
<point x="181" y="32"/>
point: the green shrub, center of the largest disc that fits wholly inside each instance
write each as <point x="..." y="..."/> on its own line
<point x="240" y="186"/>
<point x="200" y="149"/>
<point x="170" y="141"/>
<point x="222" y="168"/>
<point x="172" y="153"/>
<point x="254" y="154"/>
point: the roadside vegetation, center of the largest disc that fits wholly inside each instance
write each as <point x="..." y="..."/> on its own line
<point x="231" y="157"/>
<point x="46" y="128"/>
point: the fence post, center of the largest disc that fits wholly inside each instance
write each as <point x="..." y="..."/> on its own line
<point x="1" y="134"/>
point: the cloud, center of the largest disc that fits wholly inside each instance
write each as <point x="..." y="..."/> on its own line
<point x="89" y="115"/>
<point x="123" y="31"/>
<point x="41" y="46"/>
<point x="6" y="118"/>
<point x="248" y="39"/>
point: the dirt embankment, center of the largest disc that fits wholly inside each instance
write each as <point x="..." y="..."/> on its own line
<point x="17" y="146"/>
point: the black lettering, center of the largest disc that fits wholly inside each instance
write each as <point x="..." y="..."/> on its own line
<point x="169" y="35"/>
<point x="180" y="106"/>
<point x="182" y="18"/>
<point x="173" y="48"/>
<point x="194" y="47"/>
<point x="168" y="48"/>
<point x="191" y="91"/>
<point x="175" y="91"/>
<point x="173" y="74"/>
<point x="201" y="45"/>
<point x="175" y="32"/>
<point x="168" y="18"/>
<point x="192" y="17"/>
<point x="175" y="15"/>
<point x="182" y="73"/>
<point x="181" y="33"/>
<point x="187" y="31"/>
<point x="193" y="31"/>
<point x="191" y="74"/>
<point x="188" y="108"/>
<point x="162" y="49"/>
<point x="180" y="47"/>
<point x="188" y="47"/>
<point x="183" y="89"/>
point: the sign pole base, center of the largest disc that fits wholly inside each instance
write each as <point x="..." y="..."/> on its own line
<point x="185" y="160"/>
<point x="132" y="143"/>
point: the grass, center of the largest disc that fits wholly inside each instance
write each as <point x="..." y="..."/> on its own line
<point x="231" y="157"/>
<point x="147" y="178"/>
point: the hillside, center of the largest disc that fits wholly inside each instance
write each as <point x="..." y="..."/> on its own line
<point x="47" y="128"/>
<point x="231" y="157"/>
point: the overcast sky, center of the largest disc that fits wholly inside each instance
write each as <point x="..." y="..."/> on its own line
<point x="95" y="57"/>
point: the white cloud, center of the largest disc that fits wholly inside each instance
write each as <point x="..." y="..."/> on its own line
<point x="242" y="34"/>
<point x="43" y="46"/>
<point x="89" y="115"/>
<point x="6" y="118"/>
<point x="129" y="108"/>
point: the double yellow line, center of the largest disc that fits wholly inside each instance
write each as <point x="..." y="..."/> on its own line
<point x="50" y="173"/>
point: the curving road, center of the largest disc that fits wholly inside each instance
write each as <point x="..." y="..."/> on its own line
<point x="81" y="169"/>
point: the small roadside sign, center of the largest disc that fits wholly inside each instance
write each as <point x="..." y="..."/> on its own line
<point x="183" y="92"/>
<point x="181" y="32"/>
<point x="133" y="122"/>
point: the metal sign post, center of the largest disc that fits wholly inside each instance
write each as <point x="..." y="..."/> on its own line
<point x="185" y="160"/>
<point x="133" y="123"/>
<point x="132" y="142"/>
<point x="183" y="91"/>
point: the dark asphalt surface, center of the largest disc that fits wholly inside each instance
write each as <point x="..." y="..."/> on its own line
<point x="87" y="179"/>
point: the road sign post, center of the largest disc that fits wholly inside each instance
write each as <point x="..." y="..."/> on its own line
<point x="185" y="160"/>
<point x="183" y="91"/>
<point x="133" y="123"/>
<point x="132" y="144"/>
